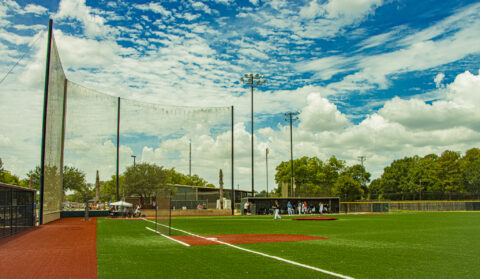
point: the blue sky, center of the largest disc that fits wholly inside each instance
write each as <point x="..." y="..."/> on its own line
<point x="374" y="78"/>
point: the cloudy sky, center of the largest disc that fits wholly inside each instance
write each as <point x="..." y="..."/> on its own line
<point x="373" y="78"/>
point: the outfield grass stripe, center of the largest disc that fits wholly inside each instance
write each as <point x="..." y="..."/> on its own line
<point x="262" y="254"/>
<point x="166" y="236"/>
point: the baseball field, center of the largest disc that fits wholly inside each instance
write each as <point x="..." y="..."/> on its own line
<point x="395" y="245"/>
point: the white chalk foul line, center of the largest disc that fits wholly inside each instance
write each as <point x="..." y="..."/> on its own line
<point x="166" y="236"/>
<point x="261" y="254"/>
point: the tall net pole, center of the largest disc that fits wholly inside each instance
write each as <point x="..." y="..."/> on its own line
<point x="233" y="183"/>
<point x="44" y="121"/>
<point x="118" y="151"/>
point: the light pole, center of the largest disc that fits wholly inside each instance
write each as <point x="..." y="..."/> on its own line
<point x="133" y="156"/>
<point x="363" y="159"/>
<point x="266" y="163"/>
<point x="291" y="118"/>
<point x="253" y="80"/>
<point x="190" y="160"/>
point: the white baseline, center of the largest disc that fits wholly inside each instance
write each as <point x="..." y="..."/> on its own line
<point x="259" y="253"/>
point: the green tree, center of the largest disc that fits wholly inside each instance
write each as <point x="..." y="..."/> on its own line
<point x="108" y="189"/>
<point x="375" y="189"/>
<point x="358" y="173"/>
<point x="145" y="180"/>
<point x="9" y="178"/>
<point x="448" y="173"/>
<point x="314" y="177"/>
<point x="470" y="169"/>
<point x="395" y="177"/>
<point x="83" y="193"/>
<point x="34" y="175"/>
<point x="346" y="186"/>
<point x="74" y="180"/>
<point x="174" y="177"/>
<point x="421" y="176"/>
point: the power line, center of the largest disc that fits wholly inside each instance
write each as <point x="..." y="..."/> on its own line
<point x="21" y="58"/>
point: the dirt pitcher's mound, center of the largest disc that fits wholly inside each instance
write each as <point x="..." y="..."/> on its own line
<point x="242" y="238"/>
<point x="315" y="218"/>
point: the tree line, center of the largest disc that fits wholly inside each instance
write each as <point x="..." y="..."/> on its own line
<point x="313" y="177"/>
<point x="446" y="176"/>
<point x="143" y="180"/>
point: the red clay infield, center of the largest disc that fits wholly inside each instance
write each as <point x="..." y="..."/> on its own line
<point x="66" y="248"/>
<point x="243" y="238"/>
<point x="315" y="218"/>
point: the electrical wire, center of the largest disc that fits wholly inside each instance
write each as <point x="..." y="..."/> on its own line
<point x="18" y="61"/>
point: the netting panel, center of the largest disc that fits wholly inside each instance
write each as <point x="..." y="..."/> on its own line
<point x="91" y="131"/>
<point x="53" y="174"/>
<point x="163" y="212"/>
<point x="161" y="134"/>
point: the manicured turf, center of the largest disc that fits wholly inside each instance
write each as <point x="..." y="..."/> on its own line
<point x="401" y="245"/>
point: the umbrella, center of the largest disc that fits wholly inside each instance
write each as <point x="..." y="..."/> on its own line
<point x="121" y="203"/>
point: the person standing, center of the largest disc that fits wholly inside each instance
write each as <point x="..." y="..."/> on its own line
<point x="245" y="208"/>
<point x="289" y="208"/>
<point x="299" y="207"/>
<point x="137" y="212"/>
<point x="321" y="207"/>
<point x="276" y="209"/>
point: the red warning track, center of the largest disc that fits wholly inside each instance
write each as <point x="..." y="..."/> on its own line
<point x="66" y="248"/>
<point x="243" y="238"/>
<point x="315" y="218"/>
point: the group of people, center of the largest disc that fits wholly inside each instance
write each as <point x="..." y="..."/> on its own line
<point x="128" y="212"/>
<point x="302" y="208"/>
<point x="305" y="208"/>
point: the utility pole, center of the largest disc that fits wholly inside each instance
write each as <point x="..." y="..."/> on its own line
<point x="266" y="162"/>
<point x="133" y="156"/>
<point x="252" y="80"/>
<point x="291" y="116"/>
<point x="363" y="159"/>
<point x="190" y="160"/>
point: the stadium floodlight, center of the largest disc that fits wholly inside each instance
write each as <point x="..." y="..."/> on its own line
<point x="133" y="156"/>
<point x="291" y="116"/>
<point x="252" y="80"/>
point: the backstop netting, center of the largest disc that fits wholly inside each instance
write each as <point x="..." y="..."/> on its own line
<point x="162" y="135"/>
<point x="81" y="131"/>
<point x="110" y="134"/>
<point x="53" y="138"/>
<point x="91" y="132"/>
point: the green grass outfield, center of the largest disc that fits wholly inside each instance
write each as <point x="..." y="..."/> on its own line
<point x="399" y="245"/>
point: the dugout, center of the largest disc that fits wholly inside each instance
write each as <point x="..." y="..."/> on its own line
<point x="263" y="205"/>
<point x="17" y="209"/>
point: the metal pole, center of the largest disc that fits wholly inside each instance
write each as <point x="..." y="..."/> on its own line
<point x="65" y="88"/>
<point x="253" y="187"/>
<point x="291" y="152"/>
<point x="133" y="156"/>
<point x="156" y="209"/>
<point x="266" y="164"/>
<point x="44" y="121"/>
<point x="233" y="156"/>
<point x="118" y="149"/>
<point x="190" y="160"/>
